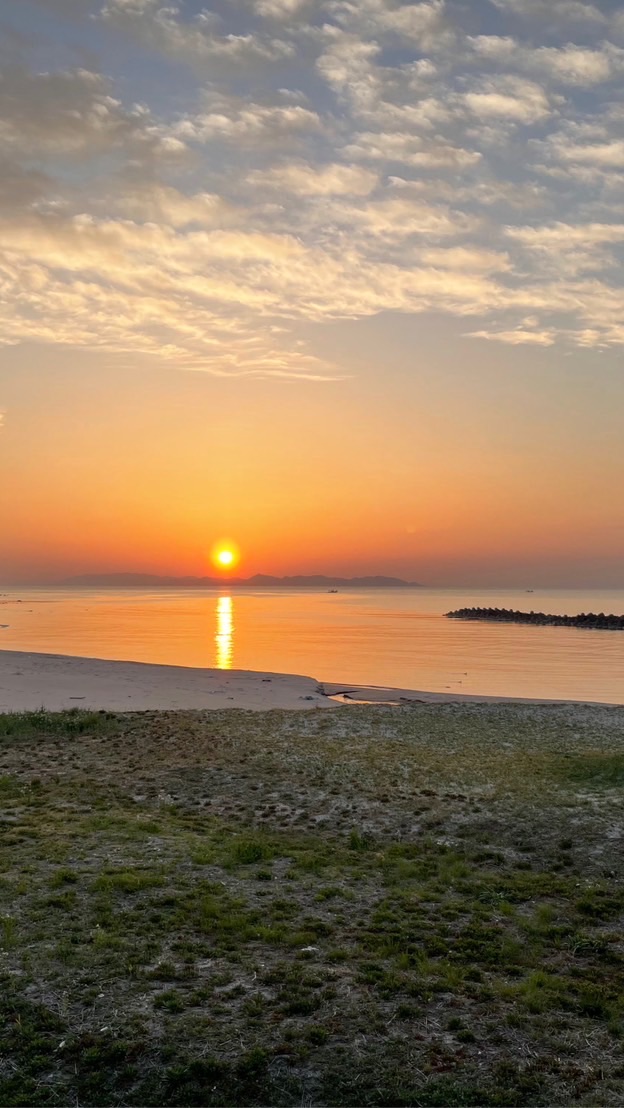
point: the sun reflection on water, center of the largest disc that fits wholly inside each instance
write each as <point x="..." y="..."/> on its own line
<point x="224" y="637"/>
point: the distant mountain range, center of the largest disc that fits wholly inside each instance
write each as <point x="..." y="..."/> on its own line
<point x="258" y="580"/>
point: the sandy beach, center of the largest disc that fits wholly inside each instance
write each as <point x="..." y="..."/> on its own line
<point x="56" y="682"/>
<point x="30" y="681"/>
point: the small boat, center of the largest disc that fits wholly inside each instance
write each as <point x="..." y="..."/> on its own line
<point x="332" y="590"/>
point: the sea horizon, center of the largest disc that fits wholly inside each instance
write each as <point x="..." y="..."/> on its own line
<point x="389" y="637"/>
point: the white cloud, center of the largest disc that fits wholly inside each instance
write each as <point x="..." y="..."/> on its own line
<point x="566" y="235"/>
<point x="563" y="148"/>
<point x="308" y="180"/>
<point x="417" y="22"/>
<point x="401" y="216"/>
<point x="470" y="259"/>
<point x="508" y="98"/>
<point x="279" y="9"/>
<point x="164" y="204"/>
<point x="517" y="337"/>
<point x="234" y="122"/>
<point x="197" y="41"/>
<point x="494" y="47"/>
<point x="425" y="113"/>
<point x="554" y="11"/>
<point x="570" y="249"/>
<point x="375" y="170"/>
<point x="575" y="65"/>
<point x="347" y="67"/>
<point x="410" y="150"/>
<point x="566" y="65"/>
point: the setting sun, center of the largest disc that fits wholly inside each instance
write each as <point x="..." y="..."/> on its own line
<point x="225" y="555"/>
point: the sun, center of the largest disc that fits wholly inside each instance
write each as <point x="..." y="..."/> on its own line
<point x="225" y="555"/>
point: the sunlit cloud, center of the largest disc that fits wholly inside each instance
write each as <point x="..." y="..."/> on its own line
<point x="561" y="11"/>
<point x="279" y="9"/>
<point x="411" y="150"/>
<point x="609" y="154"/>
<point x="199" y="40"/>
<point x="309" y="180"/>
<point x="508" y="98"/>
<point x="229" y="121"/>
<point x="313" y="162"/>
<point x="518" y="337"/>
<point x="565" y="65"/>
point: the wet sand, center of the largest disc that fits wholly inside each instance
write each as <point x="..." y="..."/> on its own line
<point x="56" y="682"/>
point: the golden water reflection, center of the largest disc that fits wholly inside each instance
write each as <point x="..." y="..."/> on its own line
<point x="224" y="637"/>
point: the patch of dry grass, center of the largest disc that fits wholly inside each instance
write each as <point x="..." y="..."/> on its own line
<point x="421" y="905"/>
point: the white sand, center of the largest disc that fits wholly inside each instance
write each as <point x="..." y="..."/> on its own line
<point x="53" y="681"/>
<point x="56" y="682"/>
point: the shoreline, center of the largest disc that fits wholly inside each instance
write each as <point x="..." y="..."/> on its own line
<point x="56" y="682"/>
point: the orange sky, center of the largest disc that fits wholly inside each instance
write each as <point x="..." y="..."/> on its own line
<point x="145" y="472"/>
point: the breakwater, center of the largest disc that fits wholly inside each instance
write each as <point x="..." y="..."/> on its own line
<point x="592" y="620"/>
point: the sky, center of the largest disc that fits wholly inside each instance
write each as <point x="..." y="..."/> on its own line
<point x="337" y="280"/>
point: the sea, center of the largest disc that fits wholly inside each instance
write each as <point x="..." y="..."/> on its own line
<point x="398" y="638"/>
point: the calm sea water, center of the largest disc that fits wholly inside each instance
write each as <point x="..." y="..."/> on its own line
<point x="374" y="636"/>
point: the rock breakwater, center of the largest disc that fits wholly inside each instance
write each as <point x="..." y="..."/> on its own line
<point x="592" y="620"/>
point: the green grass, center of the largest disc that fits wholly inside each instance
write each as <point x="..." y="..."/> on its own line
<point x="50" y="725"/>
<point x="602" y="770"/>
<point x="411" y="907"/>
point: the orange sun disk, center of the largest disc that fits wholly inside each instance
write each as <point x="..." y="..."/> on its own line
<point x="225" y="556"/>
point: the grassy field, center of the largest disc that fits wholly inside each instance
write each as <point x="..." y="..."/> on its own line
<point x="366" y="906"/>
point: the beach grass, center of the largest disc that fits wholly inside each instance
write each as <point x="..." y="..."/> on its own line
<point x="366" y="906"/>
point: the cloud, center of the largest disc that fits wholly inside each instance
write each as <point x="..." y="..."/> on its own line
<point x="421" y="23"/>
<point x="508" y="98"/>
<point x="306" y="180"/>
<point x="411" y="150"/>
<point x="398" y="217"/>
<point x="72" y="112"/>
<point x="566" y="235"/>
<point x="575" y="65"/>
<point x="565" y="65"/>
<point x="229" y="121"/>
<point x="466" y="258"/>
<point x="347" y="67"/>
<point x="494" y="47"/>
<point x="318" y="161"/>
<point x="197" y="41"/>
<point x="569" y="248"/>
<point x="517" y="337"/>
<point x="553" y="11"/>
<point x="158" y="203"/>
<point x="279" y="9"/>
<point x="75" y="9"/>
<point x="609" y="154"/>
<point x="20" y="187"/>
